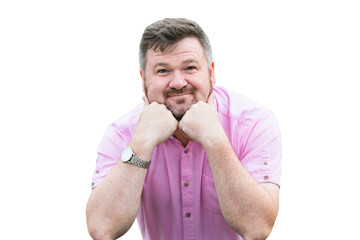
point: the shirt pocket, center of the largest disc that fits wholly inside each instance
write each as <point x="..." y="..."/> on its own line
<point x="209" y="197"/>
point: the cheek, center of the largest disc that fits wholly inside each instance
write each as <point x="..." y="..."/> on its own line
<point x="155" y="89"/>
<point x="203" y="88"/>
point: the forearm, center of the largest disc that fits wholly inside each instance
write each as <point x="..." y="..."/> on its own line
<point x="245" y="204"/>
<point x="114" y="203"/>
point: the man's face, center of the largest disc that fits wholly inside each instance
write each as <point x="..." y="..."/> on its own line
<point x="178" y="77"/>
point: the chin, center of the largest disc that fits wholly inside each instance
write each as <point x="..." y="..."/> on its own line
<point x="178" y="116"/>
<point x="178" y="112"/>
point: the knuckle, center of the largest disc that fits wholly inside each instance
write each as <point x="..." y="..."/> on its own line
<point x="162" y="106"/>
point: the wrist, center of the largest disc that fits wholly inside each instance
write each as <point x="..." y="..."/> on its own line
<point x="142" y="148"/>
<point x="218" y="139"/>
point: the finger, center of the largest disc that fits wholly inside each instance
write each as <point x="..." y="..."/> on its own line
<point x="183" y="131"/>
<point x="146" y="100"/>
<point x="211" y="100"/>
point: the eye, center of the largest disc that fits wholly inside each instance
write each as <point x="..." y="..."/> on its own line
<point x="191" y="68"/>
<point x="162" y="71"/>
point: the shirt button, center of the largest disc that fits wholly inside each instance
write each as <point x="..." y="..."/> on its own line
<point x="92" y="184"/>
<point x="186" y="184"/>
<point x="266" y="177"/>
<point x="265" y="163"/>
<point x="186" y="151"/>
<point x="97" y="171"/>
<point x="187" y="215"/>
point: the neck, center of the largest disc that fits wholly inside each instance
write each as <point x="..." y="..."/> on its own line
<point x="181" y="137"/>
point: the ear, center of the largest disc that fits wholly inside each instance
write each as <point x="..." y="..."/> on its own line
<point x="143" y="80"/>
<point x="212" y="74"/>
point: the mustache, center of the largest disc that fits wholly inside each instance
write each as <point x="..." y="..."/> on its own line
<point x="172" y="91"/>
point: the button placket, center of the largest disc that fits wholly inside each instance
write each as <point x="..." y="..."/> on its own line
<point x="187" y="192"/>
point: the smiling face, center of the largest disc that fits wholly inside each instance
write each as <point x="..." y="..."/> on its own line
<point x="178" y="77"/>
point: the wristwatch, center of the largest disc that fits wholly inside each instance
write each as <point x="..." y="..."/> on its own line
<point x="128" y="156"/>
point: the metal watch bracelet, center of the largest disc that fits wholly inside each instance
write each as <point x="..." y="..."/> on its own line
<point x="139" y="162"/>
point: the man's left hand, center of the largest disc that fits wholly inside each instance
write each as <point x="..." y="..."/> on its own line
<point x="201" y="122"/>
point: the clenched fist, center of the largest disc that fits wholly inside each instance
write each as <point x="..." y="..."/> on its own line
<point x="156" y="124"/>
<point x="201" y="122"/>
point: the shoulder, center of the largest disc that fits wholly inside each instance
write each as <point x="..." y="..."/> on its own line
<point x="128" y="123"/>
<point x="236" y="107"/>
<point x="119" y="133"/>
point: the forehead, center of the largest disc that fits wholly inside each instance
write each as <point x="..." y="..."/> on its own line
<point x="187" y="48"/>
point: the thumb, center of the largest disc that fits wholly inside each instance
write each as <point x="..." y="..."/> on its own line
<point x="211" y="100"/>
<point x="146" y="100"/>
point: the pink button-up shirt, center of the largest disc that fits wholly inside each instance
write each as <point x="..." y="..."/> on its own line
<point x="179" y="199"/>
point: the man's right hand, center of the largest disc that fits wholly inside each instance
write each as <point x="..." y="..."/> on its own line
<point x="114" y="203"/>
<point x="156" y="124"/>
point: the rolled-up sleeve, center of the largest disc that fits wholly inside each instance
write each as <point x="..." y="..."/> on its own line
<point x="261" y="154"/>
<point x="109" y="152"/>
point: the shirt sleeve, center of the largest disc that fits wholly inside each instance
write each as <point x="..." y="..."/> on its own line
<point x="109" y="152"/>
<point x="261" y="154"/>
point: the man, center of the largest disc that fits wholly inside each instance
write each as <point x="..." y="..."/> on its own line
<point x="194" y="161"/>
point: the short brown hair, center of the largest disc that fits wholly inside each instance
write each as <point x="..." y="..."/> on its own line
<point x="169" y="31"/>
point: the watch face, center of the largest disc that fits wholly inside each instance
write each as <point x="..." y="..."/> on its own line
<point x="126" y="154"/>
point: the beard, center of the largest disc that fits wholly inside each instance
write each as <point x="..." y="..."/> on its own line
<point x="180" y="108"/>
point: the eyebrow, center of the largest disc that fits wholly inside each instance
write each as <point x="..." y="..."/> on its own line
<point x="188" y="61"/>
<point x="160" y="64"/>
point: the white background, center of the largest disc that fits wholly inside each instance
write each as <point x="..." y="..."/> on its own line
<point x="70" y="68"/>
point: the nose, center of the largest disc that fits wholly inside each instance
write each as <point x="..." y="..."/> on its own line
<point x="178" y="81"/>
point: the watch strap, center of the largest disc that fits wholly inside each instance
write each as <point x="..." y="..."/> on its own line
<point x="139" y="162"/>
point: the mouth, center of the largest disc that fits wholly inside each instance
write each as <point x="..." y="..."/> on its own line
<point x="179" y="95"/>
